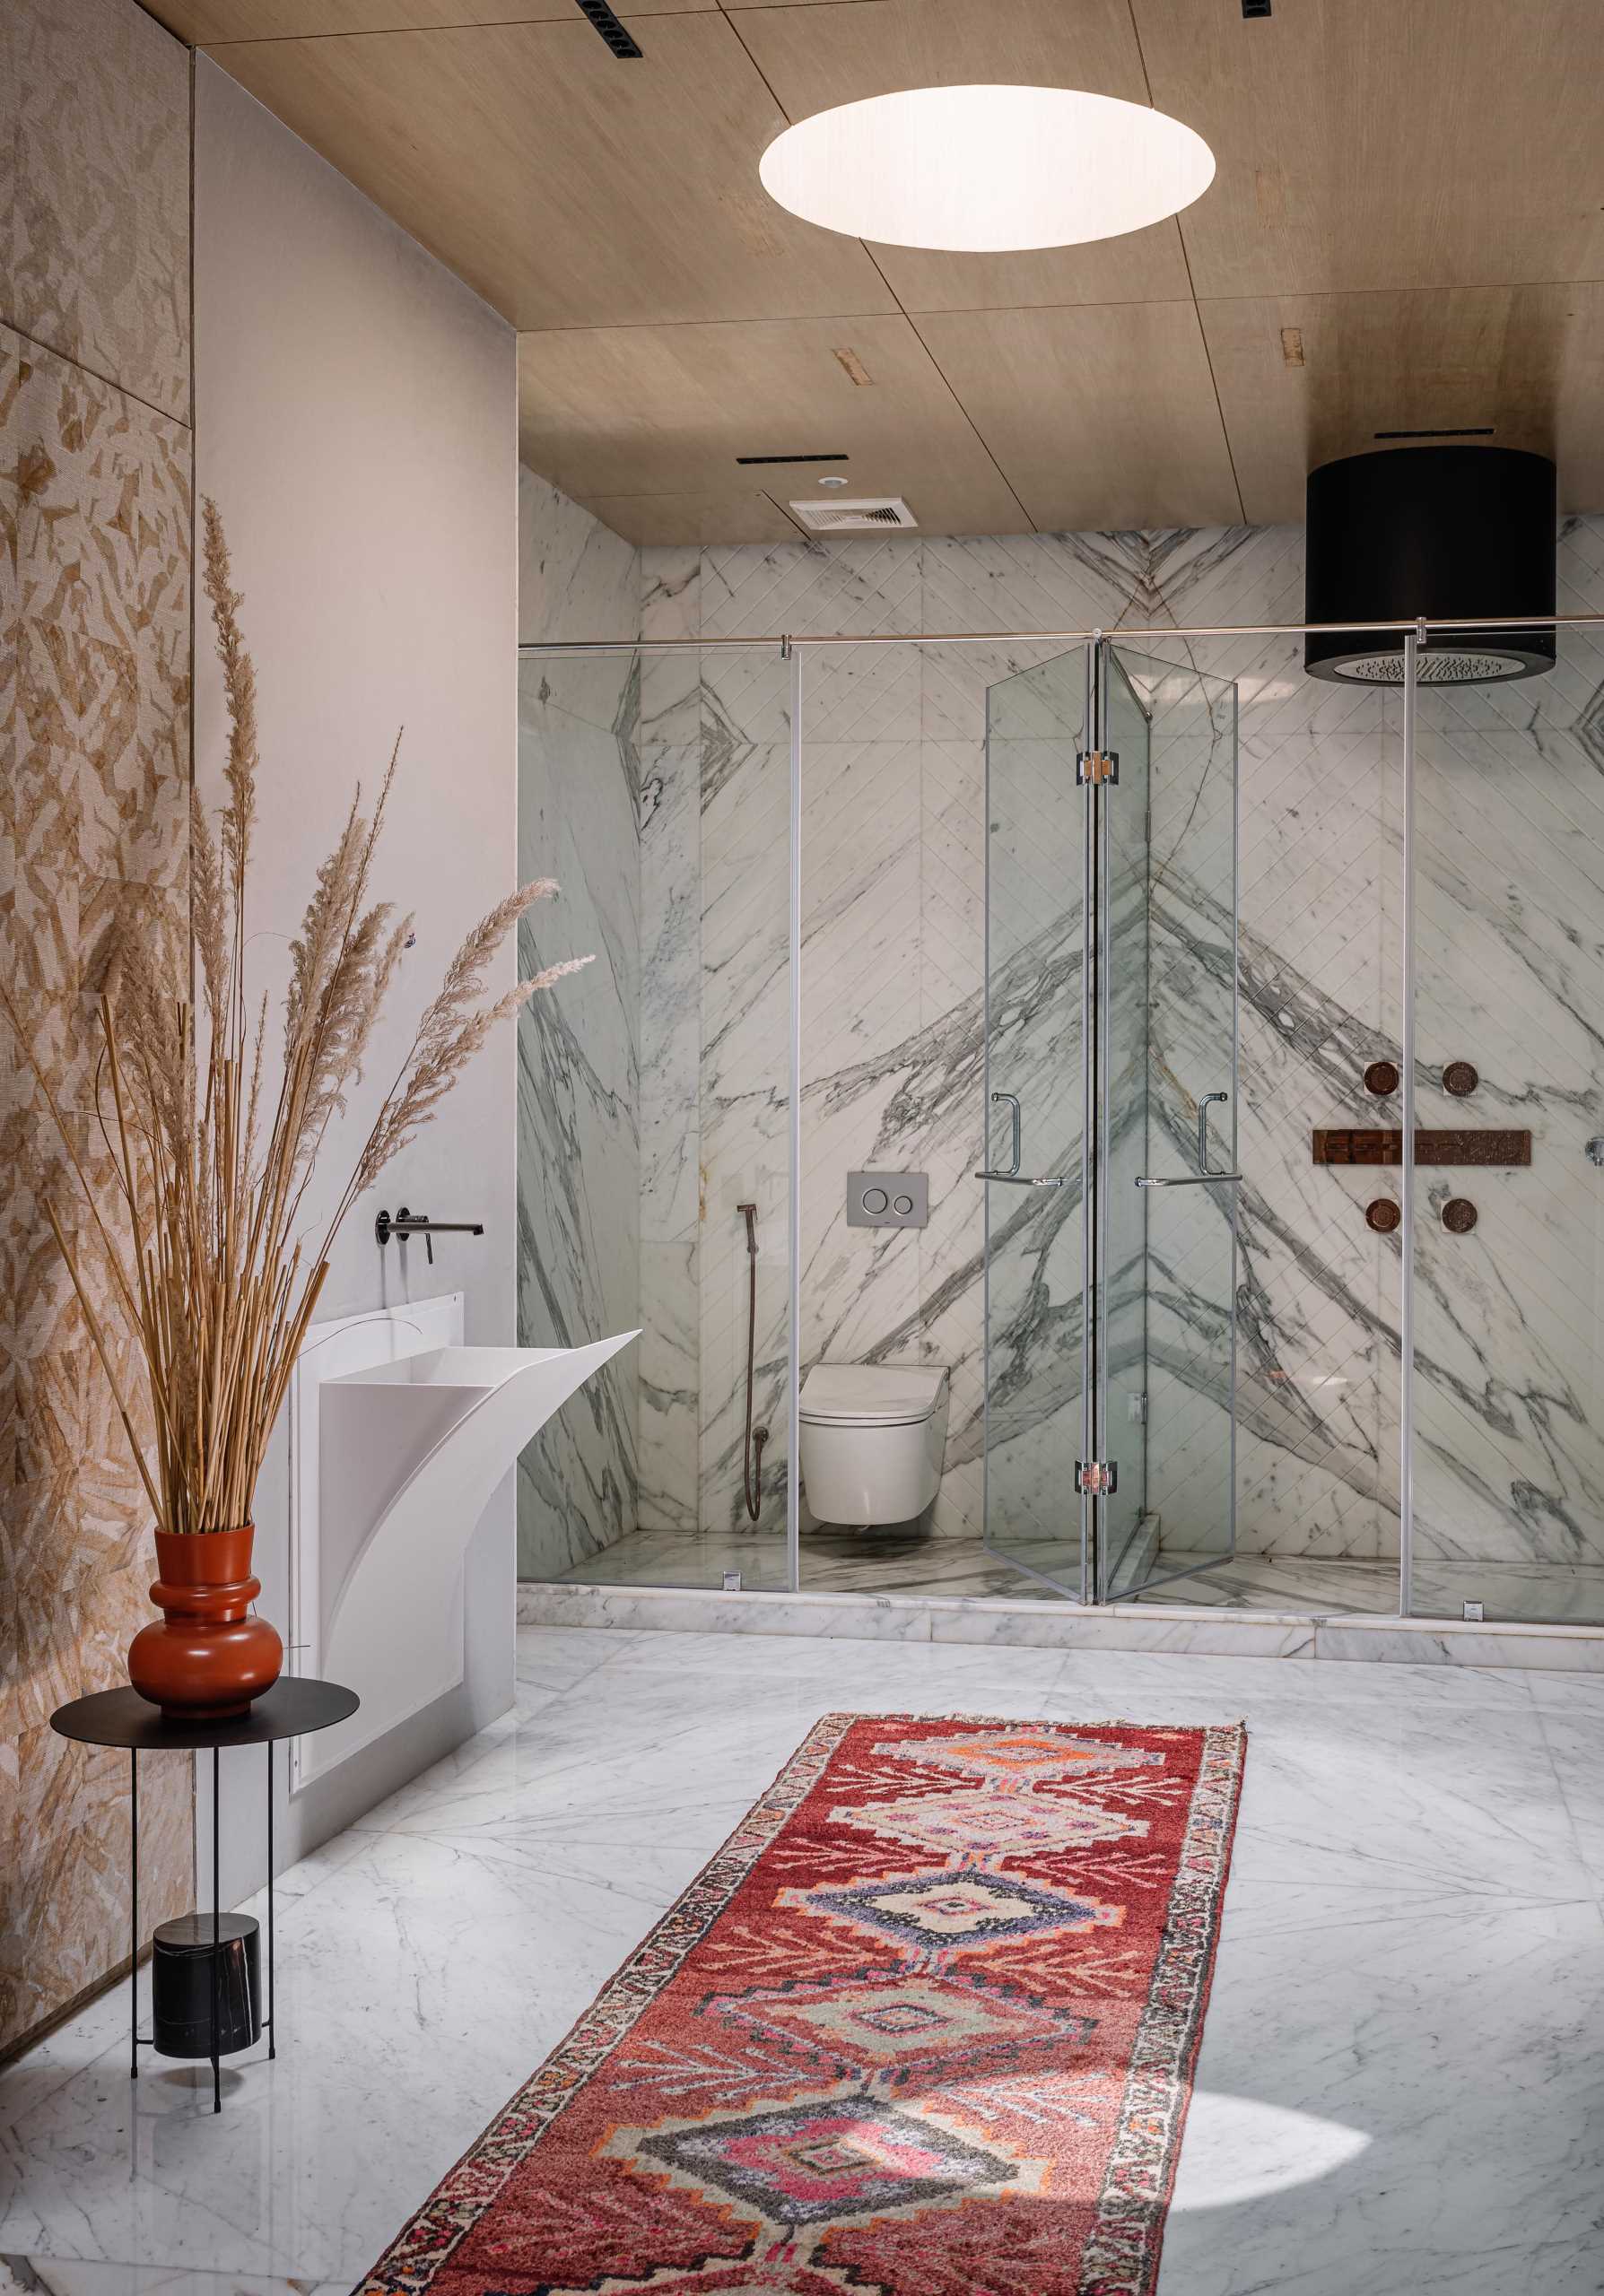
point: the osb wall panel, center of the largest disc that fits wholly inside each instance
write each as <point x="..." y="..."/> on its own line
<point x="94" y="191"/>
<point x="94" y="498"/>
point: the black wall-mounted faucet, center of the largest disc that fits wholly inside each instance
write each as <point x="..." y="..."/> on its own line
<point x="409" y="1223"/>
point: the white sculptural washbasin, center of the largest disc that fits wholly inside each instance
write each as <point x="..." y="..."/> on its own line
<point x="410" y="1452"/>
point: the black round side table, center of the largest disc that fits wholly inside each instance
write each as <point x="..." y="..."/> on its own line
<point x="292" y="1709"/>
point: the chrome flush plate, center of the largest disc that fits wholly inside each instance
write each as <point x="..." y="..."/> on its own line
<point x="887" y="1199"/>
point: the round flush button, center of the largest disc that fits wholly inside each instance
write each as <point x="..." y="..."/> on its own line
<point x="902" y="1205"/>
<point x="875" y="1200"/>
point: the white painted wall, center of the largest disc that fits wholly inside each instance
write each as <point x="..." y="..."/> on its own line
<point x="356" y="422"/>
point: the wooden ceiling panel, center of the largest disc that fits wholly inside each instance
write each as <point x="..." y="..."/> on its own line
<point x="642" y="410"/>
<point x="214" y="23"/>
<point x="736" y="515"/>
<point x="1362" y="143"/>
<point x="1100" y="417"/>
<point x="571" y="189"/>
<point x="1404" y="189"/>
<point x="816" y="56"/>
<point x="1523" y="360"/>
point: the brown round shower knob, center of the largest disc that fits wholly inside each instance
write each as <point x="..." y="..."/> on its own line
<point x="1382" y="1215"/>
<point x="1381" y="1078"/>
<point x="1460" y="1078"/>
<point x="1460" y="1215"/>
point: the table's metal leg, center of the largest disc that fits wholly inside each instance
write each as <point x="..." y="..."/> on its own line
<point x="133" y="1915"/>
<point x="216" y="1942"/>
<point x="271" y="2019"/>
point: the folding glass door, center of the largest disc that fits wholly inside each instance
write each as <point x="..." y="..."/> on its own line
<point x="1110" y="1094"/>
<point x="1038" y="1406"/>
<point x="1169" y="1181"/>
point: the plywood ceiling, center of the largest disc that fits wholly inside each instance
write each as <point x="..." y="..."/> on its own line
<point x="1406" y="233"/>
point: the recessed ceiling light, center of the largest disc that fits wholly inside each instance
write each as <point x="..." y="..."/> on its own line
<point x="981" y="169"/>
<point x="833" y="481"/>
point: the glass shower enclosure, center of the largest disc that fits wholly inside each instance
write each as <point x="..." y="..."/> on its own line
<point x="1244" y="1029"/>
<point x="1111" y="1079"/>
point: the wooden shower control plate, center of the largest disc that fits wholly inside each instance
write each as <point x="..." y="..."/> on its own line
<point x="1348" y="1145"/>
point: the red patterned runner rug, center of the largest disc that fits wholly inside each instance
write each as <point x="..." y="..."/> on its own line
<point x="925" y="2026"/>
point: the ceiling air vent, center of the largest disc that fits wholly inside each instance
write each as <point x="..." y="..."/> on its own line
<point x="864" y="516"/>
<point x="618" y="36"/>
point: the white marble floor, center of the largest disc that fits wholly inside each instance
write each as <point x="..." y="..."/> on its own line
<point x="1400" y="2091"/>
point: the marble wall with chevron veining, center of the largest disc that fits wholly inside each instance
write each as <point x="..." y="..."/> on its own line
<point x="893" y="919"/>
<point x="94" y="779"/>
<point x="1509" y="1467"/>
<point x="1509" y="1319"/>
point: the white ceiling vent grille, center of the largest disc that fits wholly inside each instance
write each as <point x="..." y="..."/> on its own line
<point x="868" y="515"/>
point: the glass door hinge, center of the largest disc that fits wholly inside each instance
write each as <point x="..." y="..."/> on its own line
<point x="1098" y="1477"/>
<point x="1096" y="765"/>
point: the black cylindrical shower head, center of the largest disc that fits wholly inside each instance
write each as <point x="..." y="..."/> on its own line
<point x="1430" y="531"/>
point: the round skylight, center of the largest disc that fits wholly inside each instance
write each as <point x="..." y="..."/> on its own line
<point x="980" y="169"/>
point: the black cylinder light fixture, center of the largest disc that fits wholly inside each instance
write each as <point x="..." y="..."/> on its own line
<point x="1430" y="532"/>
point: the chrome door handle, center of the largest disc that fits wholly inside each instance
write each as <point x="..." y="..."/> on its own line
<point x="1011" y="1100"/>
<point x="1203" y="1108"/>
<point x="1014" y="1173"/>
<point x="1195" y="1180"/>
<point x="1203" y="1177"/>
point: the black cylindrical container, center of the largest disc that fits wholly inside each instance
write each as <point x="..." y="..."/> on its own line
<point x="182" y="1985"/>
<point x="1449" y="531"/>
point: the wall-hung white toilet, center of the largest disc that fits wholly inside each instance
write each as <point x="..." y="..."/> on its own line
<point x="872" y="1437"/>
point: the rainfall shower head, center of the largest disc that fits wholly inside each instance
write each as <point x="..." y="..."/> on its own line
<point x="1443" y="532"/>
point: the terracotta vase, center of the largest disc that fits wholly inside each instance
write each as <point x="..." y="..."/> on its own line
<point x="206" y="1657"/>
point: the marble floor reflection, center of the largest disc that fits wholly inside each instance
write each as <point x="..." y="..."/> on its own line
<point x="1399" y="2092"/>
<point x="900" y="1559"/>
<point x="1559" y="1594"/>
<point x="904" y="1560"/>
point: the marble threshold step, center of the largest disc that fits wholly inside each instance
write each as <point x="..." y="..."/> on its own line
<point x="1063" y="1625"/>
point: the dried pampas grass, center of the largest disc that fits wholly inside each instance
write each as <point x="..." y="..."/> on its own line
<point x="213" y="1145"/>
